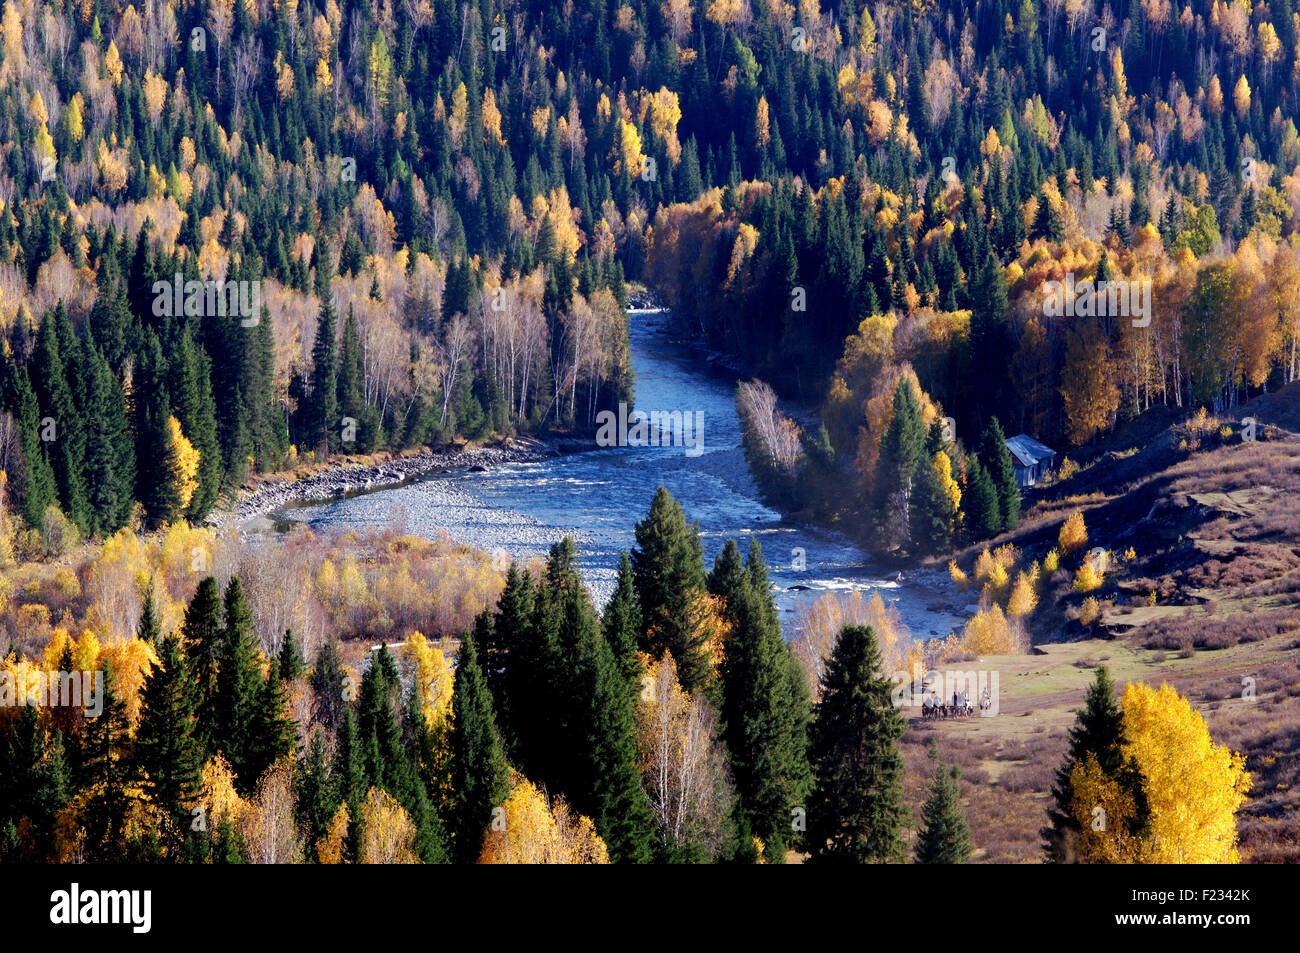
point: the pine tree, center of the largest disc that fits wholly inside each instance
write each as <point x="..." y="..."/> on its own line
<point x="944" y="837"/>
<point x="1098" y="730"/>
<point x="203" y="645"/>
<point x="478" y="762"/>
<point x="983" y="512"/>
<point x="317" y="792"/>
<point x="996" y="460"/>
<point x="621" y="623"/>
<point x="167" y="749"/>
<point x="765" y="713"/>
<point x="617" y="803"/>
<point x="931" y="511"/>
<point x="506" y="678"/>
<point x="239" y="692"/>
<point x="902" y="450"/>
<point x="147" y="630"/>
<point x="668" y="563"/>
<point x="105" y="773"/>
<point x="855" y="814"/>
<point x="291" y="662"/>
<point x="323" y="416"/>
<point x="37" y="489"/>
<point x="274" y="733"/>
<point x="51" y="374"/>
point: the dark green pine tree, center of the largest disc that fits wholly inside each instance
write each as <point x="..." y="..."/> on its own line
<point x="51" y="377"/>
<point x="157" y="456"/>
<point x="855" y="813"/>
<point x="202" y="631"/>
<point x="239" y="691"/>
<point x="668" y="564"/>
<point x="931" y="511"/>
<point x="990" y="341"/>
<point x="167" y="749"/>
<point x="479" y="775"/>
<point x="765" y="716"/>
<point x="290" y="658"/>
<point x="323" y="416"/>
<point x="1098" y="730"/>
<point x="351" y="378"/>
<point x="317" y="793"/>
<point x="983" y="512"/>
<point x="621" y="623"/>
<point x="274" y="733"/>
<point x="110" y="462"/>
<point x="944" y="837"/>
<point x="148" y="629"/>
<point x="617" y="803"/>
<point x="36" y="489"/>
<point x="106" y="773"/>
<point x="996" y="460"/>
<point x="511" y="635"/>
<point x="348" y="775"/>
<point x="902" y="449"/>
<point x="190" y="388"/>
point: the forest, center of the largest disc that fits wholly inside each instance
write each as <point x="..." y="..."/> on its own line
<point x="423" y="224"/>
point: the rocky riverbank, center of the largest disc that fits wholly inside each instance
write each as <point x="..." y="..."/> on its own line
<point x="272" y="494"/>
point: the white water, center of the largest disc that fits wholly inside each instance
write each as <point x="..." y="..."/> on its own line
<point x="597" y="498"/>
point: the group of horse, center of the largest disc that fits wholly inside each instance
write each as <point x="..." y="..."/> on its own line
<point x="960" y="710"/>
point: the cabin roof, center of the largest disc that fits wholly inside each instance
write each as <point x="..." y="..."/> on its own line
<point x="1027" y="451"/>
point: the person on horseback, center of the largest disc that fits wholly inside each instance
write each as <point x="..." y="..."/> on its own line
<point x="985" y="701"/>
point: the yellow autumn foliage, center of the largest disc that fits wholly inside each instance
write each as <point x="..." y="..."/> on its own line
<point x="527" y="831"/>
<point x="1194" y="787"/>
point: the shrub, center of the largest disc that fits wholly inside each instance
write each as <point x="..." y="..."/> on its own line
<point x="1090" y="611"/>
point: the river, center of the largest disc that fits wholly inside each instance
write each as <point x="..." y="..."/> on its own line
<point x="598" y="496"/>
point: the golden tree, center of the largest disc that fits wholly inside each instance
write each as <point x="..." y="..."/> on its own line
<point x="388" y="834"/>
<point x="1193" y="786"/>
<point x="525" y="830"/>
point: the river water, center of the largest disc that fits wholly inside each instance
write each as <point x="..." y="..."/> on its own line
<point x="598" y="496"/>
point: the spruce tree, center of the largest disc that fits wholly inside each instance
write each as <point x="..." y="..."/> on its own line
<point x="621" y="623"/>
<point x="291" y="662"/>
<point x="765" y="714"/>
<point x="855" y="814"/>
<point x="238" y="699"/>
<point x="997" y="462"/>
<point x="944" y="837"/>
<point x="479" y="776"/>
<point x="167" y="749"/>
<point x="902" y="449"/>
<point x="106" y="773"/>
<point x="323" y="416"/>
<point x="203" y="637"/>
<point x="668" y="564"/>
<point x="983" y="512"/>
<point x="147" y="630"/>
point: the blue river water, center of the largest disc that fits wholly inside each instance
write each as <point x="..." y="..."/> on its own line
<point x="597" y="497"/>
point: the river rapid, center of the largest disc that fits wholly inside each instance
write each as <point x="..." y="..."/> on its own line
<point x="597" y="497"/>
